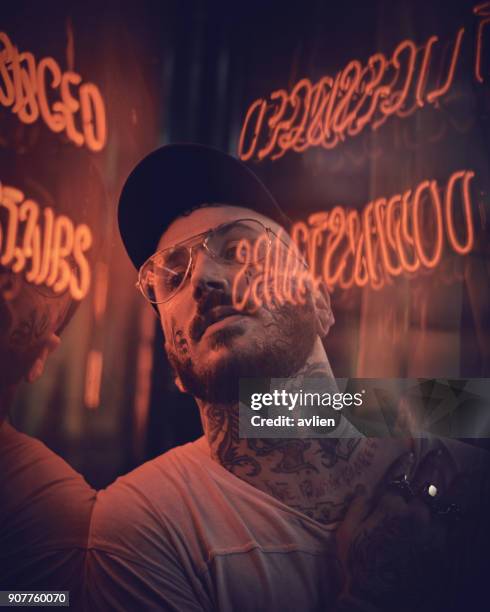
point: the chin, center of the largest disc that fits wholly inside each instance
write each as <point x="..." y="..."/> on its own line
<point x="225" y="349"/>
<point x="225" y="339"/>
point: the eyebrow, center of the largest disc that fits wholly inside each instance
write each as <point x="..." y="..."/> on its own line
<point x="210" y="229"/>
<point x="177" y="244"/>
<point x="176" y="255"/>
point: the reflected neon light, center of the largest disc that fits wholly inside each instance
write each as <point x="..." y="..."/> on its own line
<point x="93" y="379"/>
<point x="403" y="234"/>
<point x="49" y="249"/>
<point x="326" y="113"/>
<point x="482" y="10"/>
<point x="24" y="88"/>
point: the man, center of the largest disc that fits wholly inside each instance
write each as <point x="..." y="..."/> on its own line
<point x="45" y="506"/>
<point x="226" y="523"/>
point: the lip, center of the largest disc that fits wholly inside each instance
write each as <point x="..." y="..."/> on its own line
<point x="217" y="315"/>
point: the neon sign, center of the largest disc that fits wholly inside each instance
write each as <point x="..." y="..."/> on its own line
<point x="402" y="234"/>
<point x="278" y="274"/>
<point x="326" y="113"/>
<point x="482" y="10"/>
<point x="49" y="249"/>
<point x="24" y="88"/>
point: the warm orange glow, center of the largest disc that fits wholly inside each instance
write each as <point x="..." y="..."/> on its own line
<point x="384" y="225"/>
<point x="425" y="260"/>
<point x="101" y="287"/>
<point x="143" y="379"/>
<point x="482" y="10"/>
<point x="465" y="176"/>
<point x="49" y="249"/>
<point x="258" y="125"/>
<point x="269" y="275"/>
<point x="93" y="379"/>
<point x="408" y="256"/>
<point x="437" y="93"/>
<point x="408" y="232"/>
<point x="360" y="96"/>
<point x="419" y="95"/>
<point x="79" y="110"/>
<point x="241" y="287"/>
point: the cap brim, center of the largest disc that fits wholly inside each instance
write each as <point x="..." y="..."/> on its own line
<point x="176" y="178"/>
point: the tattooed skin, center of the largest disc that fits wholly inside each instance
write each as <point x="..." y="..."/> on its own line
<point x="404" y="551"/>
<point x="316" y="477"/>
<point x="382" y="551"/>
<point x="181" y="343"/>
<point x="30" y="329"/>
<point x="27" y="320"/>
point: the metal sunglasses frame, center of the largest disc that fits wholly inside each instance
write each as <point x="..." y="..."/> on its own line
<point x="201" y="240"/>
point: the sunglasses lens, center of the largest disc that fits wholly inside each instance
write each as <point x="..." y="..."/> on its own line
<point x="224" y="242"/>
<point x="163" y="274"/>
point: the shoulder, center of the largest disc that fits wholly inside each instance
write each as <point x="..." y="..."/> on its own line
<point x="32" y="477"/>
<point x="164" y="475"/>
<point x="45" y="512"/>
<point x="147" y="503"/>
<point x="142" y="550"/>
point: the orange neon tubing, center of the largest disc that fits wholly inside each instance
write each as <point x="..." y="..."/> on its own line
<point x="10" y="197"/>
<point x="326" y="144"/>
<point x="382" y="219"/>
<point x="55" y="121"/>
<point x="341" y="119"/>
<point x="274" y="122"/>
<point x="437" y="93"/>
<point x="368" y="231"/>
<point x="402" y="228"/>
<point x="319" y="99"/>
<point x="431" y="186"/>
<point x="424" y="70"/>
<point x="290" y="139"/>
<point x="29" y="212"/>
<point x="278" y="266"/>
<point x="484" y="10"/>
<point x="390" y="107"/>
<point x="374" y="88"/>
<point x="466" y="176"/>
<point x="258" y="127"/>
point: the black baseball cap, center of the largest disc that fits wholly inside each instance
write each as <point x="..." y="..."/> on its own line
<point x="179" y="177"/>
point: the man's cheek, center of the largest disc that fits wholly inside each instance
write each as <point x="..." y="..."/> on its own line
<point x="176" y="338"/>
<point x="5" y="317"/>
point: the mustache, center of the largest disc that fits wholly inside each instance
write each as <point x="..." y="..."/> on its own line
<point x="215" y="306"/>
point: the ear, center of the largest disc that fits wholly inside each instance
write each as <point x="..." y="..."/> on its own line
<point x="323" y="309"/>
<point x="179" y="385"/>
<point x="36" y="370"/>
<point x="170" y="351"/>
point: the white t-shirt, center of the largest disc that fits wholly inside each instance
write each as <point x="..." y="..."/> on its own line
<point x="182" y="533"/>
<point x="45" y="510"/>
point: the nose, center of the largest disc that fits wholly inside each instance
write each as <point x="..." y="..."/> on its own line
<point x="207" y="275"/>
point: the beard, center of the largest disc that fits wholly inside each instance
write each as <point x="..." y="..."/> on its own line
<point x="282" y="348"/>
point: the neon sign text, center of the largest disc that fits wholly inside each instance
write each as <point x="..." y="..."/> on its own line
<point x="361" y="95"/>
<point x="269" y="275"/>
<point x="79" y="110"/>
<point x="403" y="234"/>
<point x="482" y="10"/>
<point x="49" y="249"/>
